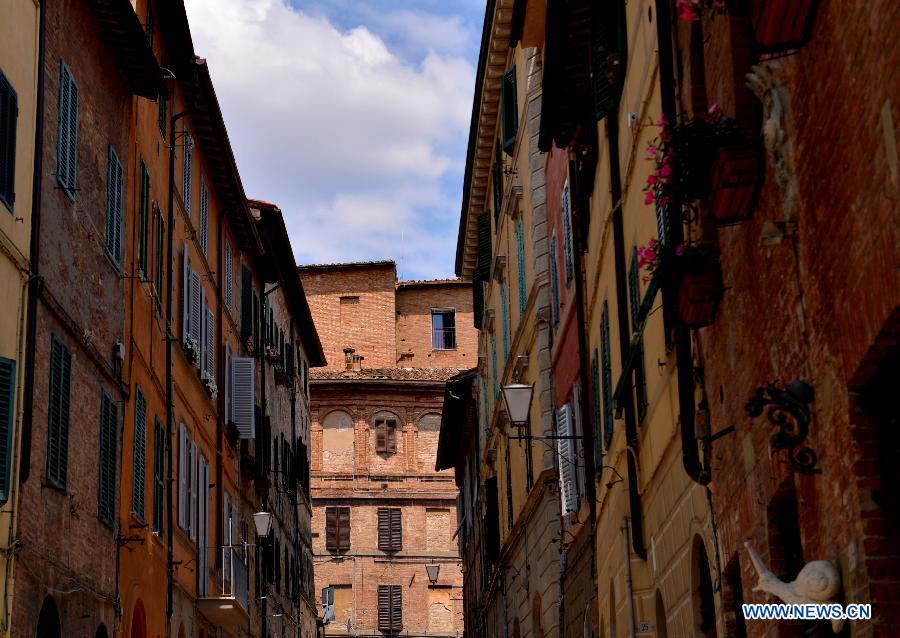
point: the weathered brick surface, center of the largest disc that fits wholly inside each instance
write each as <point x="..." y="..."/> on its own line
<point x="818" y="306"/>
<point x="414" y="343"/>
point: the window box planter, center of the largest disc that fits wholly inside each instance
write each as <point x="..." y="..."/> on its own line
<point x="782" y="24"/>
<point x="699" y="294"/>
<point x="736" y="176"/>
<point x="191" y="350"/>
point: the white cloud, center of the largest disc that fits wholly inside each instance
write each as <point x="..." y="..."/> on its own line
<point x="355" y="144"/>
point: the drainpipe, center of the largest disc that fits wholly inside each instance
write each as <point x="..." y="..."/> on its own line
<point x="634" y="496"/>
<point x="629" y="589"/>
<point x="170" y="382"/>
<point x="35" y="283"/>
<point x="684" y="361"/>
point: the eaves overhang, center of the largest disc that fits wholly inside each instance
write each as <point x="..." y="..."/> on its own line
<point x="123" y="31"/>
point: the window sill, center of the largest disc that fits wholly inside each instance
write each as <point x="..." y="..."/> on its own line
<point x="45" y="482"/>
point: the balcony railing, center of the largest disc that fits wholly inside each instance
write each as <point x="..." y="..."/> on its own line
<point x="443" y="338"/>
<point x="228" y="606"/>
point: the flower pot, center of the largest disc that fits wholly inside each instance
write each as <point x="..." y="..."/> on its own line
<point x="699" y="293"/>
<point x="782" y="24"/>
<point x="736" y="176"/>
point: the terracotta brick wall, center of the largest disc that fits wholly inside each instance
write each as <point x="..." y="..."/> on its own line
<point x="414" y="334"/>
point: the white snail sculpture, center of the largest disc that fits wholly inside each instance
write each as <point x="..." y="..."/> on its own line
<point x="818" y="582"/>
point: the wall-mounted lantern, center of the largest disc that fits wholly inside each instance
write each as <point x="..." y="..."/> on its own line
<point x="788" y="410"/>
<point x="433" y="570"/>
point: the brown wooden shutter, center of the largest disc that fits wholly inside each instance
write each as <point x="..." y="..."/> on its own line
<point x="343" y="523"/>
<point x="331" y="526"/>
<point x="391" y="434"/>
<point x="384" y="529"/>
<point x="396" y="530"/>
<point x="396" y="608"/>
<point x="381" y="444"/>
<point x="384" y="607"/>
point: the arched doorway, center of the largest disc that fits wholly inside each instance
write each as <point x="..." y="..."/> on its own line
<point x="138" y="621"/>
<point x="662" y="629"/>
<point x="101" y="632"/>
<point x="48" y="622"/>
<point x="704" y="601"/>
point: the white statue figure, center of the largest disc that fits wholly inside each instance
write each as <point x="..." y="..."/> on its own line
<point x="767" y="83"/>
<point x="818" y="582"/>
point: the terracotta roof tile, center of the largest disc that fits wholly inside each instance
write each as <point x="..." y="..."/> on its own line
<point x="385" y="374"/>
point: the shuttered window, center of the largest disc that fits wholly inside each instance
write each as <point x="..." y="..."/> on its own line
<point x="242" y="393"/>
<point x="566" y="452"/>
<point x="159" y="472"/>
<point x="337" y="528"/>
<point x="497" y="174"/>
<point x="187" y="483"/>
<point x="196" y="309"/>
<point x="58" y="413"/>
<point x="504" y="316"/>
<point x="209" y="340"/>
<point x="114" y="195"/>
<point x="162" y="106"/>
<point x="596" y="407"/>
<point x="193" y="488"/>
<point x="229" y="276"/>
<point x="568" y="248"/>
<point x="606" y="376"/>
<point x="204" y="216"/>
<point x="106" y="489"/>
<point x="246" y="303"/>
<point x="385" y="436"/>
<point x="520" y="264"/>
<point x="227" y="388"/>
<point x="390" y="608"/>
<point x="144" y="223"/>
<point x="510" y="105"/>
<point x="640" y="377"/>
<point x="390" y="529"/>
<point x="554" y="279"/>
<point x="9" y="113"/>
<point x="67" y="133"/>
<point x="160" y="259"/>
<point x="187" y="168"/>
<point x="7" y="422"/>
<point x="138" y="472"/>
<point x="496" y="375"/>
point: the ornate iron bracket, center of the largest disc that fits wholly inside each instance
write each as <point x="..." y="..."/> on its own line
<point x="788" y="410"/>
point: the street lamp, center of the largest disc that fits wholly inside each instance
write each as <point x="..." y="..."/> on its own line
<point x="433" y="570"/>
<point x="517" y="398"/>
<point x="263" y="522"/>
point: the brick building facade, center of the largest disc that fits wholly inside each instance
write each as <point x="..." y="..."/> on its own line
<point x="381" y="512"/>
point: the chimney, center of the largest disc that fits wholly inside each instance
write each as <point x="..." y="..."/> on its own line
<point x="348" y="359"/>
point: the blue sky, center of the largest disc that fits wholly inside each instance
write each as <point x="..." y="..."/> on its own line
<point x="352" y="116"/>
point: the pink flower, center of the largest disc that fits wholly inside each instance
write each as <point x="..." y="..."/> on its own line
<point x="662" y="121"/>
<point x="665" y="135"/>
<point x="665" y="171"/>
<point x="652" y="152"/>
<point x="651" y="179"/>
<point x="679" y="250"/>
<point x="648" y="198"/>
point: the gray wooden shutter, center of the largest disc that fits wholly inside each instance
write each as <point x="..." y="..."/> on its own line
<point x="243" y="393"/>
<point x="196" y="311"/>
<point x="195" y="489"/>
<point x="566" y="459"/>
<point x="159" y="471"/>
<point x="183" y="465"/>
<point x="227" y="388"/>
<point x="210" y="361"/>
<point x="7" y="420"/>
<point x="343" y="522"/>
<point x="58" y="413"/>
<point x="187" y="172"/>
<point x="138" y="475"/>
<point x="229" y="276"/>
<point x="246" y="303"/>
<point x="606" y="376"/>
<point x="67" y="143"/>
<point x="106" y="489"/>
<point x="204" y="215"/>
<point x="185" y="294"/>
<point x="114" y="188"/>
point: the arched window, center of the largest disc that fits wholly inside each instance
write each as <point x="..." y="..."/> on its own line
<point x="704" y="602"/>
<point x="337" y="442"/>
<point x="387" y="432"/>
<point x="48" y="621"/>
<point x="612" y="610"/>
<point x="428" y="430"/>
<point x="101" y="632"/>
<point x="662" y="630"/>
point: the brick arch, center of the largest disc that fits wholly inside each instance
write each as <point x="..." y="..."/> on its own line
<point x="398" y="413"/>
<point x="138" y="628"/>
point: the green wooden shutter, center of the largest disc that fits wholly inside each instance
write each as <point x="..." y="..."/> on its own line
<point x="143" y="222"/>
<point x="162" y="105"/>
<point x="596" y="407"/>
<point x="484" y="246"/>
<point x="606" y="376"/>
<point x="640" y="378"/>
<point x="159" y="471"/>
<point x="160" y="258"/>
<point x="602" y="56"/>
<point x="67" y="142"/>
<point x="106" y="492"/>
<point x="520" y="259"/>
<point x="149" y="26"/>
<point x="204" y="215"/>
<point x="114" y="187"/>
<point x="58" y="413"/>
<point x="477" y="301"/>
<point x="187" y="167"/>
<point x="9" y="111"/>
<point x="138" y="472"/>
<point x="246" y="303"/>
<point x="7" y="421"/>
<point x="498" y="183"/>
<point x="504" y="312"/>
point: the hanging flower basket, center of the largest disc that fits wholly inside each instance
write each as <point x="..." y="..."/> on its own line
<point x="699" y="287"/>
<point x="191" y="350"/>
<point x="736" y="176"/>
<point x="782" y="24"/>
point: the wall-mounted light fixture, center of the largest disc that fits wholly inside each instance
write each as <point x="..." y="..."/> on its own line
<point x="788" y="410"/>
<point x="433" y="570"/>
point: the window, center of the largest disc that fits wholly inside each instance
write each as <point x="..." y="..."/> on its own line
<point x="390" y="608"/>
<point x="187" y="172"/>
<point x="58" y="413"/>
<point x="159" y="472"/>
<point x="229" y="276"/>
<point x="67" y="135"/>
<point x="7" y="420"/>
<point x="504" y="316"/>
<point x="204" y="216"/>
<point x="9" y="112"/>
<point x="496" y="376"/>
<point x="242" y="395"/>
<point x="566" y="451"/>
<point x="498" y="185"/>
<point x="247" y="319"/>
<point x="148" y="28"/>
<point x="143" y="222"/>
<point x="567" y="234"/>
<point x="390" y="529"/>
<point x="606" y="376"/>
<point x="385" y="436"/>
<point x="114" y="196"/>
<point x="520" y="263"/>
<point x="162" y="104"/>
<point x="554" y="279"/>
<point x="203" y="525"/>
<point x="509" y="103"/>
<point x="106" y="492"/>
<point x="443" y="329"/>
<point x="187" y="483"/>
<point x="640" y="378"/>
<point x="138" y="472"/>
<point x="337" y="528"/>
<point x="160" y="258"/>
